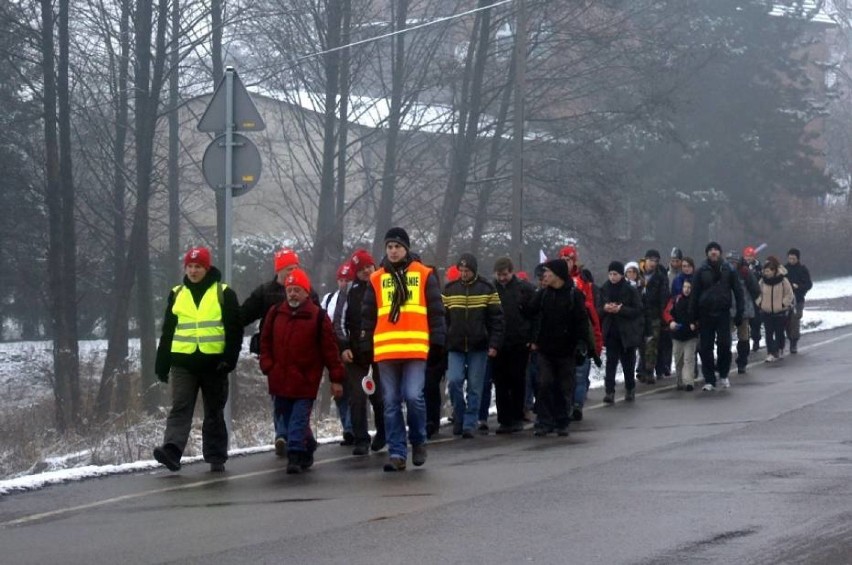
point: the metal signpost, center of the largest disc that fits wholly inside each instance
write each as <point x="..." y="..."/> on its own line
<point x="231" y="156"/>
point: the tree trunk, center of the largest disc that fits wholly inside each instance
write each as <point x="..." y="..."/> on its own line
<point x="120" y="332"/>
<point x="384" y="216"/>
<point x="173" y="270"/>
<point x="53" y="199"/>
<point x="343" y="128"/>
<point x="468" y="132"/>
<point x="323" y="257"/>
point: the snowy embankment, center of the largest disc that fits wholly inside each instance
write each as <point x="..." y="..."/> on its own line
<point x="25" y="377"/>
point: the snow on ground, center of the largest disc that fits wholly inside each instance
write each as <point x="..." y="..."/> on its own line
<point x="25" y="366"/>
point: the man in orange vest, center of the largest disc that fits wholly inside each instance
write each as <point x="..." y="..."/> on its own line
<point x="403" y="324"/>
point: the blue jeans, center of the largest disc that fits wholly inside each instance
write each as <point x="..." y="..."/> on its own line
<point x="403" y="380"/>
<point x="297" y="413"/>
<point x="278" y="419"/>
<point x="469" y="366"/>
<point x="343" y="411"/>
<point x="581" y="382"/>
<point x="485" y="400"/>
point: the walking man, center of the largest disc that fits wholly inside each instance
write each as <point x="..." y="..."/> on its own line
<point x="201" y="341"/>
<point x="800" y="279"/>
<point x="714" y="284"/>
<point x="402" y="319"/>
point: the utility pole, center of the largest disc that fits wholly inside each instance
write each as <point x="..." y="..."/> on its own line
<point x="518" y="135"/>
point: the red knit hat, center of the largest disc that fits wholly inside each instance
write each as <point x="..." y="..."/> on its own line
<point x="749" y="252"/>
<point x="284" y="258"/>
<point x="523" y="275"/>
<point x="362" y="258"/>
<point x="198" y="255"/>
<point x="344" y="271"/>
<point x="568" y="251"/>
<point x="452" y="273"/>
<point x="299" y="278"/>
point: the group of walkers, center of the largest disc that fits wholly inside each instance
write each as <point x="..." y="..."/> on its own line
<point x="391" y="332"/>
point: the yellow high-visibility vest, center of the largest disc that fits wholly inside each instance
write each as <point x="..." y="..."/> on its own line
<point x="409" y="337"/>
<point x="199" y="327"/>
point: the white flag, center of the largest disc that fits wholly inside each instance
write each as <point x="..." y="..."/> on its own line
<point x="542" y="256"/>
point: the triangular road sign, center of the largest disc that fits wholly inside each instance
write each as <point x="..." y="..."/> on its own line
<point x="246" y="117"/>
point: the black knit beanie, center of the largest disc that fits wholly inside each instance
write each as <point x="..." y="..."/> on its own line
<point x="617" y="267"/>
<point x="559" y="268"/>
<point x="712" y="245"/>
<point x="399" y="236"/>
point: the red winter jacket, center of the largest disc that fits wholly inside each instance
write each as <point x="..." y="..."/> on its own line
<point x="294" y="348"/>
<point x="586" y="288"/>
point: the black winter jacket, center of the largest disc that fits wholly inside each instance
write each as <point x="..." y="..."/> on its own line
<point x="198" y="362"/>
<point x="514" y="298"/>
<point x="713" y="284"/>
<point x="680" y="315"/>
<point x="630" y="321"/>
<point x="347" y="322"/>
<point x="655" y="294"/>
<point x="800" y="278"/>
<point x="474" y="315"/>
<point x="563" y="321"/>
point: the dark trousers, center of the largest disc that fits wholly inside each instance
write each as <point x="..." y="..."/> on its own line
<point x="510" y="376"/>
<point x="616" y="353"/>
<point x="555" y="393"/>
<point x="432" y="392"/>
<point x="358" y="402"/>
<point x="713" y="330"/>
<point x="775" y="325"/>
<point x="214" y="393"/>
<point x="755" y="323"/>
<point x="664" y="353"/>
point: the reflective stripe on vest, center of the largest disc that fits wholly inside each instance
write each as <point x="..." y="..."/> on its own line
<point x="409" y="337"/>
<point x="199" y="328"/>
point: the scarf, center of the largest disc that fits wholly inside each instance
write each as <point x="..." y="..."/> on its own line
<point x="400" y="293"/>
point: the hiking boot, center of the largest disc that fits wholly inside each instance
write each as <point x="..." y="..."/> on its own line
<point x="280" y="446"/>
<point x="378" y="443"/>
<point x="307" y="460"/>
<point x="504" y="429"/>
<point x="708" y="388"/>
<point x="518" y="426"/>
<point x="609" y="398"/>
<point x="794" y="346"/>
<point x="630" y="395"/>
<point x="689" y="388"/>
<point x="483" y="427"/>
<point x="348" y="439"/>
<point x="394" y="464"/>
<point x="217" y="467"/>
<point x="361" y="448"/>
<point x="467" y="434"/>
<point x="418" y="454"/>
<point x="562" y="431"/>
<point x="577" y="414"/>
<point x="295" y="462"/>
<point x="167" y="455"/>
<point x="725" y="383"/>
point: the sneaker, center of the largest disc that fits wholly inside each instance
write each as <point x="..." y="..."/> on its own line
<point x="165" y="456"/>
<point x="348" y="439"/>
<point x="609" y="398"/>
<point x="630" y="395"/>
<point x="280" y="446"/>
<point x="708" y="388"/>
<point x="689" y="388"/>
<point x="577" y="414"/>
<point x="217" y="467"/>
<point x="394" y="464"/>
<point x="725" y="383"/>
<point x="418" y="454"/>
<point x="770" y="359"/>
<point x="467" y="434"/>
<point x="361" y="448"/>
<point x="379" y="443"/>
<point x="504" y="429"/>
<point x="483" y="427"/>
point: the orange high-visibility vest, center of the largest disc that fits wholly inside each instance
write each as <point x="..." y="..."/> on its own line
<point x="408" y="338"/>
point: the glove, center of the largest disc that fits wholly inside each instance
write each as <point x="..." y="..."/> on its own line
<point x="597" y="361"/>
<point x="163" y="378"/>
<point x="223" y="368"/>
<point x="436" y="357"/>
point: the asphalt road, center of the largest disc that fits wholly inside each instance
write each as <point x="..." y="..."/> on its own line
<point x="757" y="474"/>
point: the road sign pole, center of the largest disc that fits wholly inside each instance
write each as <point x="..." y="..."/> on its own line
<point x="229" y="186"/>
